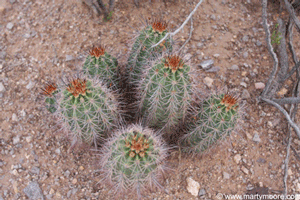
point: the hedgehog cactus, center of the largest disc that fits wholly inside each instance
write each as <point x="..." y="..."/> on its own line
<point x="165" y="93"/>
<point x="133" y="159"/>
<point x="216" y="119"/>
<point x="50" y="91"/>
<point x="102" y="65"/>
<point x="86" y="107"/>
<point x="142" y="49"/>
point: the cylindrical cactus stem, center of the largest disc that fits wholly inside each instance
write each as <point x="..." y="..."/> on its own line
<point x="165" y="92"/>
<point x="102" y="65"/>
<point x="49" y="91"/>
<point x="215" y="120"/>
<point x="133" y="159"/>
<point x="142" y="49"/>
<point x="87" y="109"/>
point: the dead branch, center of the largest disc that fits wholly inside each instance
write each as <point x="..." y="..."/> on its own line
<point x="291" y="11"/>
<point x="190" y="35"/>
<point x="287" y="100"/>
<point x="181" y="27"/>
<point x="270" y="48"/>
<point x="287" y="116"/>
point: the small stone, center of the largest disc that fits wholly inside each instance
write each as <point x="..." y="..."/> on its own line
<point x="237" y="158"/>
<point x="202" y="192"/>
<point x="35" y="170"/>
<point x="261" y="160"/>
<point x="213" y="17"/>
<point x="52" y="191"/>
<point x="74" y="181"/>
<point x="260" y="184"/>
<point x="2" y="88"/>
<point x="213" y="69"/>
<point x="298" y="187"/>
<point x="81" y="168"/>
<point x="216" y="55"/>
<point x="192" y="186"/>
<point x="245" y="38"/>
<point x="290" y="172"/>
<point x="30" y="85"/>
<point x="245" y="94"/>
<point x="245" y="170"/>
<point x="14" y="117"/>
<point x="226" y="175"/>
<point x="57" y="151"/>
<point x="28" y="139"/>
<point x="9" y="25"/>
<point x="245" y="54"/>
<point x="33" y="191"/>
<point x="234" y="67"/>
<point x="249" y="136"/>
<point x="282" y="92"/>
<point x="256" y="137"/>
<point x="67" y="173"/>
<point x="2" y="56"/>
<point x="69" y="57"/>
<point x="12" y="1"/>
<point x="258" y="43"/>
<point x="208" y="81"/>
<point x="259" y="85"/>
<point x="16" y="140"/>
<point x="207" y="64"/>
<point x="270" y="124"/>
<point x="69" y="193"/>
<point x="199" y="44"/>
<point x="243" y="84"/>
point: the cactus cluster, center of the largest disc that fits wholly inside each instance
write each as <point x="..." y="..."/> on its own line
<point x="133" y="158"/>
<point x="215" y="120"/>
<point x="142" y="50"/>
<point x="165" y="92"/>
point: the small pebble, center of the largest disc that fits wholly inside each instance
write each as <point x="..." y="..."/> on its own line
<point x="30" y="85"/>
<point x="202" y="192"/>
<point x="16" y="140"/>
<point x="245" y="94"/>
<point x="245" y="170"/>
<point x="243" y="84"/>
<point x="14" y="117"/>
<point x="192" y="186"/>
<point x="259" y="85"/>
<point x="237" y="158"/>
<point x="226" y="175"/>
<point x="256" y="137"/>
<point x="258" y="43"/>
<point x="213" y="69"/>
<point x="2" y="88"/>
<point x="207" y="64"/>
<point x="234" y="67"/>
<point x="9" y="25"/>
<point x="208" y="81"/>
<point x="69" y="57"/>
<point x="245" y="54"/>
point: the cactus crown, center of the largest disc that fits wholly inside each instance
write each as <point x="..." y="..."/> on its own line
<point x="174" y="62"/>
<point x="138" y="145"/>
<point x="49" y="89"/>
<point x="77" y="87"/>
<point x="97" y="51"/>
<point x="229" y="102"/>
<point x="159" y="25"/>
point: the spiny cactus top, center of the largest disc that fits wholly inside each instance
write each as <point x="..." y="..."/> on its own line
<point x="216" y="119"/>
<point x="49" y="91"/>
<point x="133" y="158"/>
<point x="86" y="107"/>
<point x="102" y="65"/>
<point x="142" y="49"/>
<point x="165" y="92"/>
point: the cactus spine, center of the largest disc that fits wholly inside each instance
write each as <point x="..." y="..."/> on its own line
<point x="87" y="109"/>
<point x="215" y="120"/>
<point x="142" y="49"/>
<point x="165" y="93"/>
<point x="102" y="65"/>
<point x="133" y="158"/>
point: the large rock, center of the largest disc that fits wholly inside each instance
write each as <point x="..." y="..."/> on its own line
<point x="33" y="191"/>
